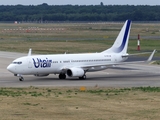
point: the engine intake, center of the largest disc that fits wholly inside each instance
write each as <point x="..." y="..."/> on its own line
<point x="75" y="72"/>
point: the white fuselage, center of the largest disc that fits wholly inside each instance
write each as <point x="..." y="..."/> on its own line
<point x="54" y="64"/>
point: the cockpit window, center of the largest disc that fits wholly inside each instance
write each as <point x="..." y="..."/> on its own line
<point x="17" y="63"/>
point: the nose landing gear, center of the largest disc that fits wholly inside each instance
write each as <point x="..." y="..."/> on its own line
<point x="20" y="77"/>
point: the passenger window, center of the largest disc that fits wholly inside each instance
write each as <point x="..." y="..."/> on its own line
<point x="17" y="63"/>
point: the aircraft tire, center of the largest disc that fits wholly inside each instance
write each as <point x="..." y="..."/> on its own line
<point x="83" y="77"/>
<point x="62" y="76"/>
<point x="21" y="79"/>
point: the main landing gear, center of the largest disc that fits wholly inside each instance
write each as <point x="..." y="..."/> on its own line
<point x="83" y="77"/>
<point x="62" y="76"/>
<point x="21" y="78"/>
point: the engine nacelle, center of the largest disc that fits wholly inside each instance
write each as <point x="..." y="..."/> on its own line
<point x="40" y="75"/>
<point x="75" y="72"/>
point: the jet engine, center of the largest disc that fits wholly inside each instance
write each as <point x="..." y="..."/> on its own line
<point x="75" y="72"/>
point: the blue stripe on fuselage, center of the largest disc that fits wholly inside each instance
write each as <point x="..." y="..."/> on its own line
<point x="119" y="49"/>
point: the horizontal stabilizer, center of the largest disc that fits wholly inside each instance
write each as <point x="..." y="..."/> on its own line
<point x="136" y="54"/>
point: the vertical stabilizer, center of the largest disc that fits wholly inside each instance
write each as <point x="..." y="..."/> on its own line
<point x="121" y="43"/>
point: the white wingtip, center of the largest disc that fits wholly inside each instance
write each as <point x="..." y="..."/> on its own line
<point x="151" y="56"/>
<point x="30" y="52"/>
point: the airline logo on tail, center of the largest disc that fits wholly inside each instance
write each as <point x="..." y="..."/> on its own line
<point x="125" y="36"/>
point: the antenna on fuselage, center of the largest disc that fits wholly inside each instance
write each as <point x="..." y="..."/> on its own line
<point x="30" y="52"/>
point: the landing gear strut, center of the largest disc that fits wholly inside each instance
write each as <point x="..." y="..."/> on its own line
<point x="62" y="76"/>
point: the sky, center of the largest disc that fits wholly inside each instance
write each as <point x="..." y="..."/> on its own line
<point x="80" y="2"/>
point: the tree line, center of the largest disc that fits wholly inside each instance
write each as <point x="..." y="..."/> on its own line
<point x="45" y="12"/>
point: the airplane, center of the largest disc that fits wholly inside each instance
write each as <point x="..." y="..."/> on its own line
<point x="74" y="65"/>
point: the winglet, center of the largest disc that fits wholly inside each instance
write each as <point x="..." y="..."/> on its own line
<point x="151" y="56"/>
<point x="30" y="52"/>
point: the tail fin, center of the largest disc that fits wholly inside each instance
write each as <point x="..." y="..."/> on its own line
<point x="121" y="43"/>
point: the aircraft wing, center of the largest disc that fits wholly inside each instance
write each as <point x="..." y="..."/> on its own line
<point x="112" y="64"/>
<point x="121" y="63"/>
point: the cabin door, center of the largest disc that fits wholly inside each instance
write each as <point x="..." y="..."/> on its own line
<point x="29" y="63"/>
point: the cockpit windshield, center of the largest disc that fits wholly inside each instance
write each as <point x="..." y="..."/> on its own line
<point x="17" y="63"/>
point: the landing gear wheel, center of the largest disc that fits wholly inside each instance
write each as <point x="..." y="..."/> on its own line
<point x="62" y="76"/>
<point x="21" y="79"/>
<point x="83" y="77"/>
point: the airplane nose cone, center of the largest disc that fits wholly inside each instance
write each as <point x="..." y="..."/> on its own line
<point x="11" y="68"/>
